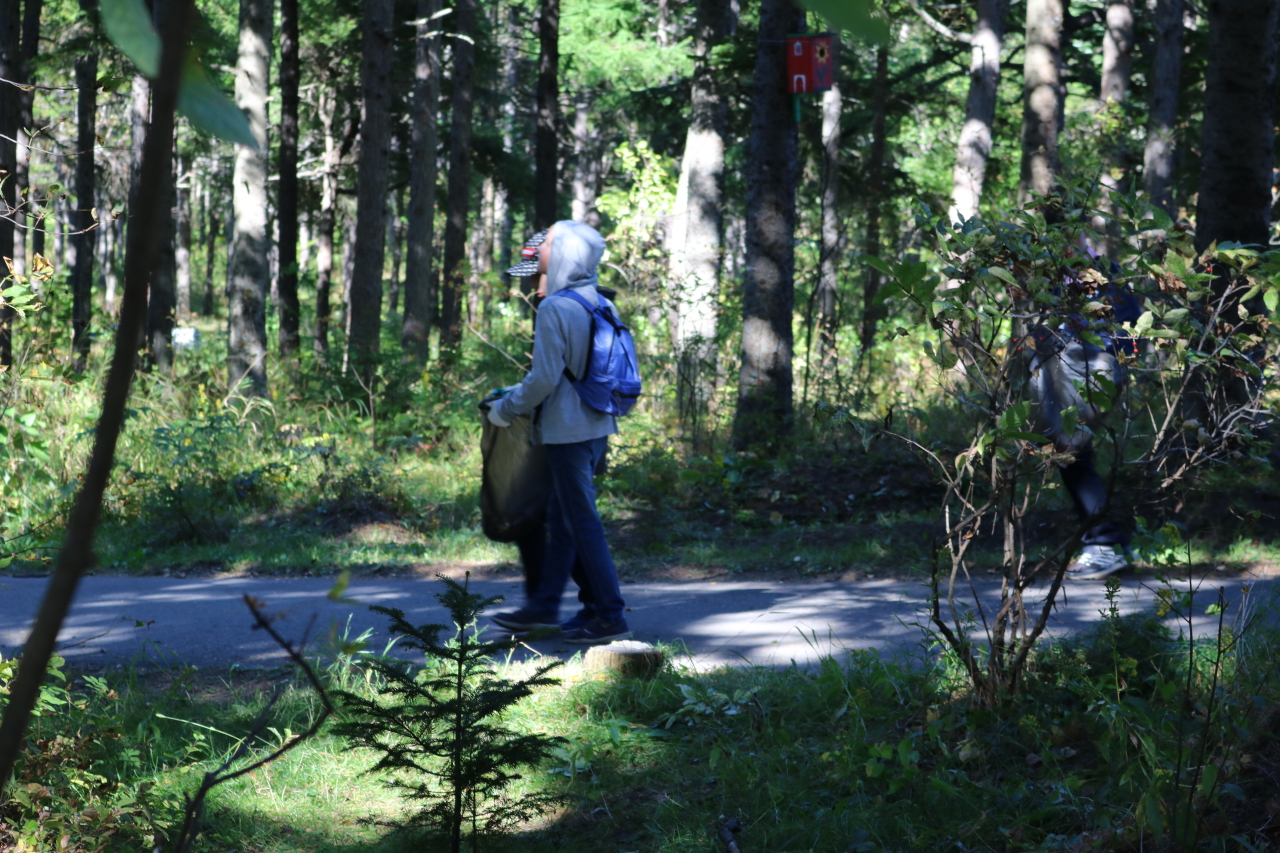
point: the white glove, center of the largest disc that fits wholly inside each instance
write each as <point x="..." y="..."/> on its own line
<point x="497" y="419"/>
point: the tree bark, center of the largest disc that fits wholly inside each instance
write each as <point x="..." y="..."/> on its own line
<point x="247" y="318"/>
<point x="182" y="218"/>
<point x="419" y="309"/>
<point x="86" y="189"/>
<point x="210" y="243"/>
<point x="875" y="196"/>
<point x="328" y="107"/>
<point x="10" y="69"/>
<point x="765" y="410"/>
<point x="287" y="191"/>
<point x="1117" y="65"/>
<point x="979" y="110"/>
<point x="829" y="257"/>
<point x="365" y="308"/>
<point x="586" y="170"/>
<point x="1237" y="139"/>
<point x="26" y="122"/>
<point x="546" y="152"/>
<point x="162" y="297"/>
<point x="457" y="205"/>
<point x="696" y="225"/>
<point x="1042" y="92"/>
<point x="1158" y="158"/>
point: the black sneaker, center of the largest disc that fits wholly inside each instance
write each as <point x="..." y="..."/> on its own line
<point x="577" y="623"/>
<point x="526" y="620"/>
<point x="598" y="632"/>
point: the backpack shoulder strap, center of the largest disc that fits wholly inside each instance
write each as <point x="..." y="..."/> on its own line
<point x="591" y="313"/>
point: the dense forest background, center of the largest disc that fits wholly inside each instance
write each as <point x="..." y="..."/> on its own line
<point x="406" y="149"/>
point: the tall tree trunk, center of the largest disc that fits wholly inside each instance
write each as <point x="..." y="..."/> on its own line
<point x="586" y="171"/>
<point x="10" y="69"/>
<point x="86" y="189"/>
<point x="26" y="122"/>
<point x="328" y="211"/>
<point x="1165" y="81"/>
<point x="979" y="109"/>
<point x="696" y="225"/>
<point x="365" y="317"/>
<point x="182" y="216"/>
<point x="510" y="76"/>
<point x="829" y="263"/>
<point x="875" y="196"/>
<point x="1238" y="137"/>
<point x="394" y="232"/>
<point x="162" y="296"/>
<point x="457" y="207"/>
<point x="1117" y="65"/>
<point x="210" y="244"/>
<point x="765" y="408"/>
<point x="287" y="191"/>
<point x="1043" y="93"/>
<point x="419" y="309"/>
<point x="247" y="317"/>
<point x="546" y="152"/>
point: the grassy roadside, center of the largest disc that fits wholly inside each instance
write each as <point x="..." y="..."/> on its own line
<point x="1109" y="743"/>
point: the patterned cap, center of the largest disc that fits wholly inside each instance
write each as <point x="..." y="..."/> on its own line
<point x="529" y="256"/>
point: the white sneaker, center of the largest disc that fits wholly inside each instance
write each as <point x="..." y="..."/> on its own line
<point x="1098" y="561"/>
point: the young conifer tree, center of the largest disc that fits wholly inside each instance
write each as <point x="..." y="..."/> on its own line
<point x="442" y="724"/>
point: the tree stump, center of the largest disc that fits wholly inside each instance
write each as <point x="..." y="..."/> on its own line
<point x="630" y="658"/>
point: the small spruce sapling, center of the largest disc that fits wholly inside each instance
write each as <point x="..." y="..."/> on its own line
<point x="442" y="724"/>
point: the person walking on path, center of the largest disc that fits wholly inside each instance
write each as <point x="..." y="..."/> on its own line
<point x="1064" y="374"/>
<point x="575" y="436"/>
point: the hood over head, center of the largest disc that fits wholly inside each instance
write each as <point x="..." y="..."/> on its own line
<point x="576" y="250"/>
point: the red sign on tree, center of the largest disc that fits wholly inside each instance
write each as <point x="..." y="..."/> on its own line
<point x="810" y="63"/>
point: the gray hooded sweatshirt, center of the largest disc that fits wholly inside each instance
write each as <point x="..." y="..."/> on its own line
<point x="562" y="338"/>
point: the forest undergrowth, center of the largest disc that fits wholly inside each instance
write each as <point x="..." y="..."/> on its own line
<point x="308" y="484"/>
<point x="1128" y="737"/>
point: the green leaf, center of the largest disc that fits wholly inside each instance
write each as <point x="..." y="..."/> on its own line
<point x="878" y="264"/>
<point x="1002" y="274"/>
<point x="1209" y="779"/>
<point x="209" y="110"/>
<point x="862" y="18"/>
<point x="1271" y="298"/>
<point x="128" y="25"/>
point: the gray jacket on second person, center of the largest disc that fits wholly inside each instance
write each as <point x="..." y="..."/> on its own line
<point x="562" y="339"/>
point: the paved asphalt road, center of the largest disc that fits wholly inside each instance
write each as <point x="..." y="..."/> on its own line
<point x="205" y="622"/>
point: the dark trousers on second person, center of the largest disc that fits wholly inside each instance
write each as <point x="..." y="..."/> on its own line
<point x="533" y="555"/>
<point x="575" y="533"/>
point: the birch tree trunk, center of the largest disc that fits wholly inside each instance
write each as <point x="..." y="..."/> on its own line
<point x="1042" y="92"/>
<point x="455" y="226"/>
<point x="10" y="69"/>
<point x="1238" y="138"/>
<point x="765" y="410"/>
<point x="287" y="191"/>
<point x="86" y="189"/>
<point x="829" y="263"/>
<point x="979" y="110"/>
<point x="419" y="309"/>
<point x="247" y="318"/>
<point x="696" y="225"/>
<point x="182" y="249"/>
<point x="546" y="151"/>
<point x="328" y="213"/>
<point x="875" y="197"/>
<point x="1158" y="159"/>
<point x="26" y="122"/>
<point x="365" y="308"/>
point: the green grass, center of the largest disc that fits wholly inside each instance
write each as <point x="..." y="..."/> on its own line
<point x="861" y="753"/>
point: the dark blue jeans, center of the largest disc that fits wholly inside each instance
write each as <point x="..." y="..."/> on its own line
<point x="574" y="531"/>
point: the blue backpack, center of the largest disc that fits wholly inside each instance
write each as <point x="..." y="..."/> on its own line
<point x="611" y="383"/>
